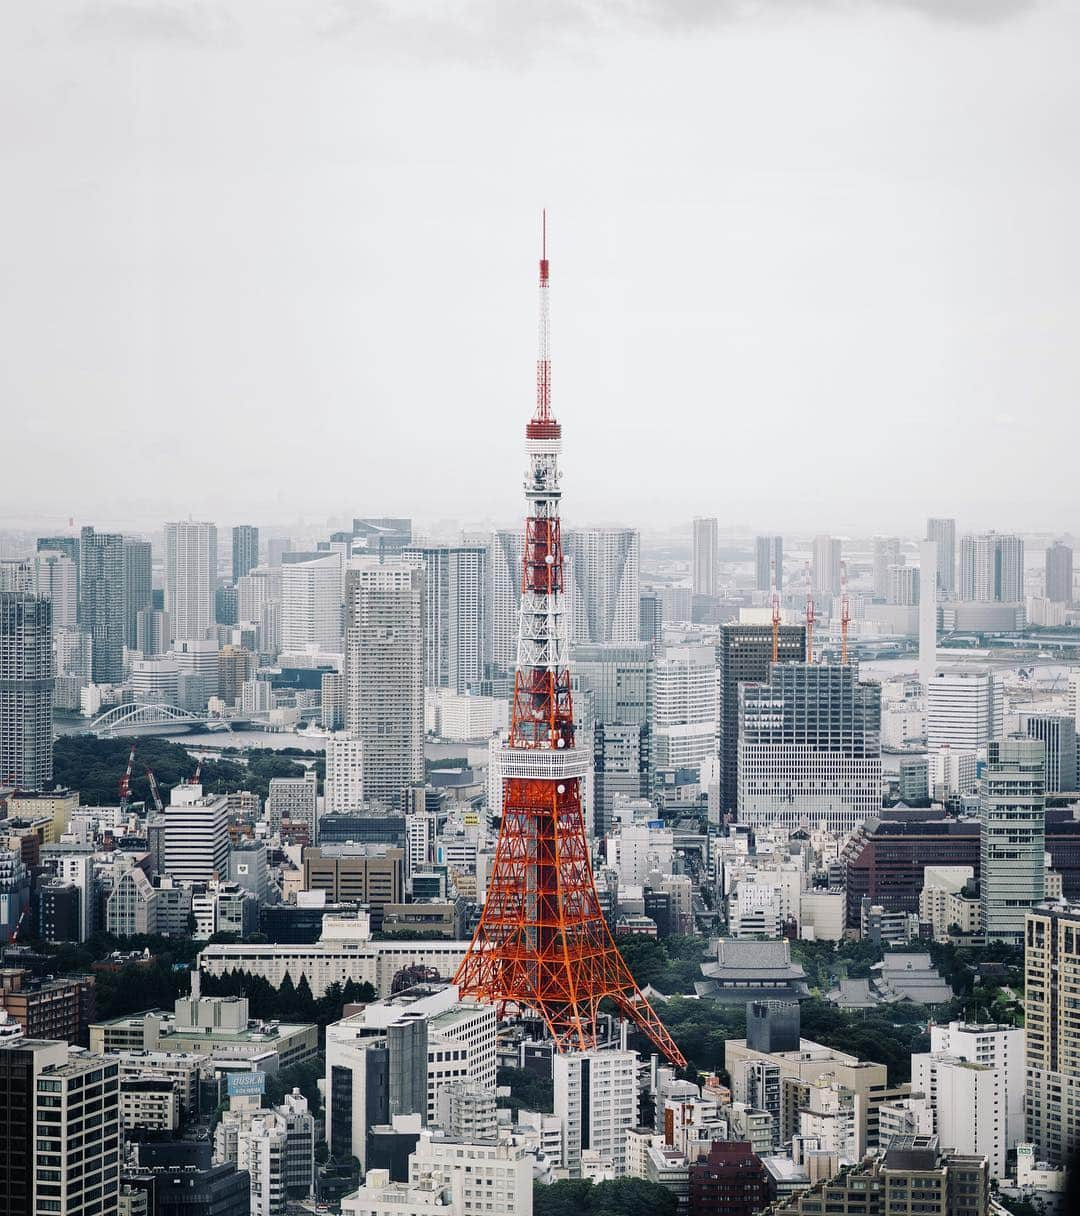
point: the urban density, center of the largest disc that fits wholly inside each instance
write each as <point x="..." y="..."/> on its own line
<point x="642" y="857"/>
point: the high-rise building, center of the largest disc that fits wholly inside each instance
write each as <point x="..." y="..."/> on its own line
<point x="684" y="708"/>
<point x="705" y="563"/>
<point x="69" y="547"/>
<point x="1052" y="1031"/>
<point x="152" y="632"/>
<point x="622" y="757"/>
<point x="101" y="601"/>
<point x="191" y="552"/>
<point x="1059" y="573"/>
<point x="245" y="550"/>
<point x="27" y="676"/>
<point x="311" y="603"/>
<point x="77" y="1137"/>
<point x="887" y="553"/>
<point x="56" y="577"/>
<point x="384" y="674"/>
<point x="825" y="561"/>
<point x="294" y="799"/>
<point x="603" y="584"/>
<point x="22" y="1060"/>
<point x="196" y="835"/>
<point x="1012" y="835"/>
<point x="619" y="677"/>
<point x="650" y="617"/>
<point x="235" y="666"/>
<point x="769" y="563"/>
<point x="992" y="568"/>
<point x="200" y="670"/>
<point x="963" y="709"/>
<point x="138" y="586"/>
<point x="455" y="614"/>
<point x="743" y="654"/>
<point x="943" y="533"/>
<point x="902" y="585"/>
<point x="504" y="573"/>
<point x="809" y="748"/>
<point x="596" y="1093"/>
<point x="1058" y="734"/>
<point x="344" y="774"/>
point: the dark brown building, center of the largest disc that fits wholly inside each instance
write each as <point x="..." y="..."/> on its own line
<point x="49" y="1009"/>
<point x="730" y="1182"/>
<point x="885" y="858"/>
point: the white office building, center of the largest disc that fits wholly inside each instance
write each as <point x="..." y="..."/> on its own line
<point x="156" y="681"/>
<point x="684" y="707"/>
<point x="969" y="1105"/>
<point x="344" y="774"/>
<point x="484" y="1178"/>
<point x="953" y="773"/>
<point x="596" y="1094"/>
<point x="191" y="553"/>
<point x="56" y="577"/>
<point x="196" y="835"/>
<point x="199" y="657"/>
<point x="963" y="709"/>
<point x="311" y="604"/>
<point x="1000" y="1046"/>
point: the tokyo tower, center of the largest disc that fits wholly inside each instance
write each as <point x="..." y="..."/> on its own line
<point x="542" y="944"/>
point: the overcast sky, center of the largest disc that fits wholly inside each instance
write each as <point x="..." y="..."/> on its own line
<point x="815" y="263"/>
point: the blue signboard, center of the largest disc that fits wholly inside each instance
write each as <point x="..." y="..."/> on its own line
<point x="245" y="1083"/>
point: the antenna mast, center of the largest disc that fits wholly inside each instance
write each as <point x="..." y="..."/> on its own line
<point x="809" y="614"/>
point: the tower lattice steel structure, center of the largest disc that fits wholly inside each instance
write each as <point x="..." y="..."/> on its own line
<point x="542" y="944"/>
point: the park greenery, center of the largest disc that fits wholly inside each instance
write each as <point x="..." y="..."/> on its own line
<point x="94" y="767"/>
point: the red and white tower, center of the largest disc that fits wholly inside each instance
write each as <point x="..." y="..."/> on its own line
<point x="542" y="944"/>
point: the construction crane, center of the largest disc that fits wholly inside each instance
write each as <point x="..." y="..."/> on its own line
<point x="775" y="615"/>
<point x="845" y="613"/>
<point x="198" y="773"/>
<point x="809" y="615"/>
<point x="155" y="793"/>
<point x="125" y="780"/>
<point x="15" y="932"/>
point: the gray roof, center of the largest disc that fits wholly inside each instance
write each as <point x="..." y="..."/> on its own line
<point x="852" y="994"/>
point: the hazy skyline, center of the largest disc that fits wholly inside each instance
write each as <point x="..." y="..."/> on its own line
<point x="814" y="265"/>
